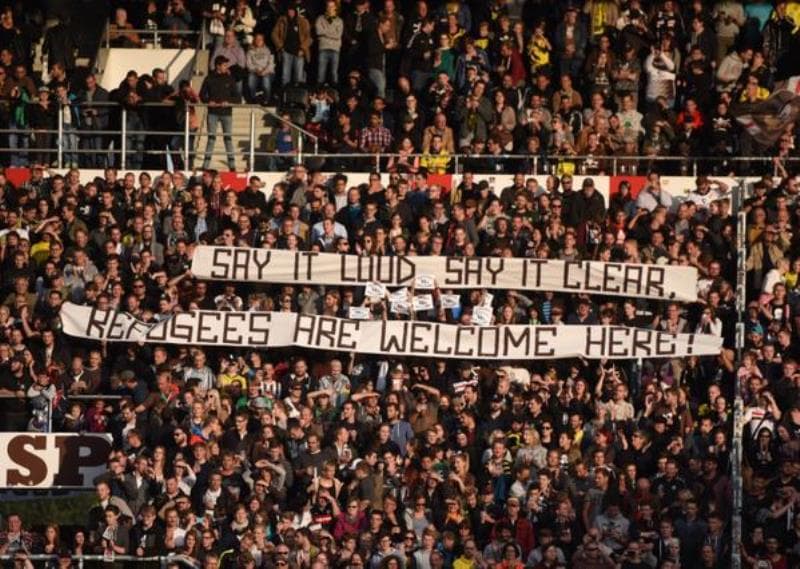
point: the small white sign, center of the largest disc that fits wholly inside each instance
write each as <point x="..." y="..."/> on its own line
<point x="422" y="302"/>
<point x="400" y="307"/>
<point x="482" y="315"/>
<point x="399" y="295"/>
<point x="450" y="301"/>
<point x="359" y="313"/>
<point x="375" y="290"/>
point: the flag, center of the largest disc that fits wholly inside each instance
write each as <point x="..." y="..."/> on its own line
<point x="767" y="120"/>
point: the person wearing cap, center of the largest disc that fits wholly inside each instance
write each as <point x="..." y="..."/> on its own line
<point x="219" y="92"/>
<point x="291" y="37"/>
<point x="588" y="205"/>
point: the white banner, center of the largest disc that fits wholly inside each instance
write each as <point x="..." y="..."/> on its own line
<point x="665" y="282"/>
<point x="387" y="338"/>
<point x="37" y="460"/>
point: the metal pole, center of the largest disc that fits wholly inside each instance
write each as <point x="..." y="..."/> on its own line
<point x="614" y="166"/>
<point x="123" y="145"/>
<point x="378" y="163"/>
<point x="186" y="139"/>
<point x="299" y="157"/>
<point x="252" y="162"/>
<point x="60" y="144"/>
<point x="316" y="146"/>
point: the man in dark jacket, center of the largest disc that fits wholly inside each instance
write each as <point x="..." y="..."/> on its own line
<point x="587" y="205"/>
<point x="420" y="58"/>
<point x="94" y="117"/>
<point x="219" y="91"/>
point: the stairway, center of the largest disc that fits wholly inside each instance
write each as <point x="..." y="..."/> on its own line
<point x="241" y="137"/>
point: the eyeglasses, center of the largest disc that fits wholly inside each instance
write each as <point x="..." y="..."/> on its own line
<point x="547" y="428"/>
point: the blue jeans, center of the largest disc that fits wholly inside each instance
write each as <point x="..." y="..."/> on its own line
<point x="134" y="141"/>
<point x="328" y="63"/>
<point x="69" y="147"/>
<point x="227" y="128"/>
<point x="378" y="79"/>
<point x="292" y="68"/>
<point x="256" y="83"/>
<point x="18" y="141"/>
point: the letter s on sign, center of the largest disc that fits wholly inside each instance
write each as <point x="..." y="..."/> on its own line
<point x="20" y="455"/>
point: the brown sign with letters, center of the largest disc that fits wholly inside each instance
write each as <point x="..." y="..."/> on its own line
<point x="64" y="460"/>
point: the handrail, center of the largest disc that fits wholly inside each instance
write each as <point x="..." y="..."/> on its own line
<point x="152" y="32"/>
<point x="162" y="560"/>
<point x="535" y="164"/>
<point x="292" y="124"/>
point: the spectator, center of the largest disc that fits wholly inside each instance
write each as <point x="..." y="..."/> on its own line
<point x="219" y="92"/>
<point x="292" y="38"/>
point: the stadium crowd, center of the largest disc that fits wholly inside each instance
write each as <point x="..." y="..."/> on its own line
<point x="425" y="80"/>
<point x="303" y="459"/>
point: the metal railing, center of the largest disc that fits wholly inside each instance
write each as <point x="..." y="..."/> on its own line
<point x="79" y="560"/>
<point x="183" y="142"/>
<point x="150" y="37"/>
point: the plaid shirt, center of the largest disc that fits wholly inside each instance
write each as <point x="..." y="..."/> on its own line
<point x="378" y="136"/>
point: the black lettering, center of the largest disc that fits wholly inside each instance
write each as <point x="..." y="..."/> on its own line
<point x="655" y="281"/>
<point x="633" y="276"/>
<point x="382" y="262"/>
<point x="451" y="268"/>
<point x="591" y="340"/>
<point x="326" y="328"/>
<point x="390" y="341"/>
<point x="297" y="266"/>
<point x="202" y="327"/>
<point x="178" y="331"/>
<point x="158" y="332"/>
<point x="537" y="271"/>
<point x="218" y="263"/>
<point x="98" y="323"/>
<point x="575" y="285"/>
<point x="472" y="266"/>
<point x="617" y="335"/>
<point x="437" y="350"/>
<point x="138" y="327"/>
<point x="343" y="268"/>
<point x="229" y="326"/>
<point x="523" y="340"/>
<point x="587" y="279"/>
<point x="494" y="272"/>
<point x="261" y="265"/>
<point x="345" y="336"/>
<point x="419" y="340"/>
<point x="241" y="260"/>
<point x="410" y="272"/>
<point x="466" y="330"/>
<point x="309" y="260"/>
<point x="262" y="340"/>
<point x="665" y="344"/>
<point x="492" y="347"/>
<point x="641" y="342"/>
<point x="117" y="323"/>
<point x="608" y="280"/>
<point x="541" y="347"/>
<point x="361" y="277"/>
<point x="305" y="323"/>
